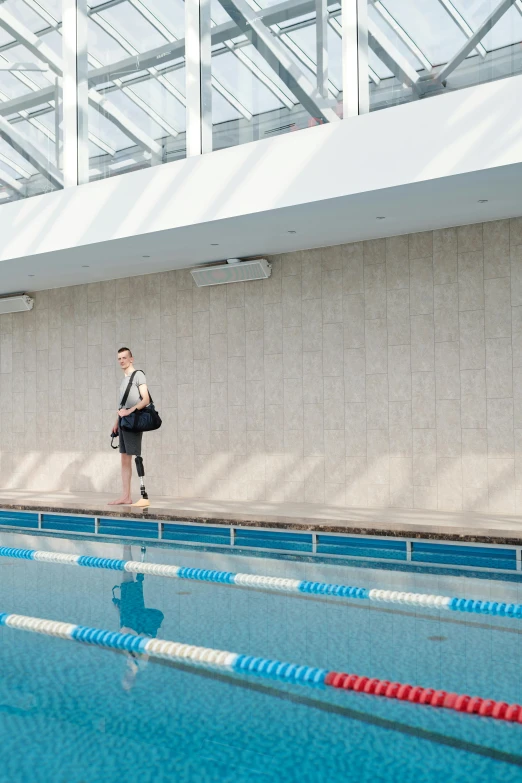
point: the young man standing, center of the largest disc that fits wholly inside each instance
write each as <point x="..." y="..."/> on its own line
<point x="130" y="442"/>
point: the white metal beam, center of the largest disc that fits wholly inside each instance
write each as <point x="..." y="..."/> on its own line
<point x="15" y="166"/>
<point x="387" y="52"/>
<point x="477" y="36"/>
<point x="48" y="18"/>
<point x="40" y="49"/>
<point x="24" y="67"/>
<point x="275" y="53"/>
<point x="198" y="54"/>
<point x="281" y="12"/>
<point x="356" y="91"/>
<point x="285" y="34"/>
<point x="169" y="35"/>
<point x="403" y="35"/>
<point x="12" y="183"/>
<point x="75" y="99"/>
<point x="128" y="91"/>
<point x="461" y="23"/>
<point x="321" y="45"/>
<point x="18" y="142"/>
<point x="169" y="52"/>
<point x="282" y="95"/>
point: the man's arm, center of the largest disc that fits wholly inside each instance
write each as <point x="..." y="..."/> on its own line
<point x="145" y="400"/>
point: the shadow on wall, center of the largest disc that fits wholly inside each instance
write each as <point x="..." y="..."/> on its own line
<point x="222" y="477"/>
<point x="377" y="374"/>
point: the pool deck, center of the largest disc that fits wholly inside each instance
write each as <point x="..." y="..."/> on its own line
<point x="404" y="523"/>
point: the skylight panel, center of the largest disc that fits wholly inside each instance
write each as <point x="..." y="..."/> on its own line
<point x="218" y="13"/>
<point x="39" y="139"/>
<point x="170" y="13"/>
<point x="107" y="131"/>
<point x="23" y="13"/>
<point x="507" y="31"/>
<point x="102" y="46"/>
<point x="10" y="86"/>
<point x="305" y="40"/>
<point x="19" y="54"/>
<point x="393" y="36"/>
<point x="243" y="84"/>
<point x="162" y="102"/>
<point x="222" y="111"/>
<point x="54" y="41"/>
<point x="429" y="26"/>
<point x="13" y="163"/>
<point x="53" y="7"/>
<point x="382" y="71"/>
<point x="5" y="38"/>
<point x="135" y="114"/>
<point x="133" y="27"/>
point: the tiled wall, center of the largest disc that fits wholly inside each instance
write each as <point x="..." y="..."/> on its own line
<point x="382" y="373"/>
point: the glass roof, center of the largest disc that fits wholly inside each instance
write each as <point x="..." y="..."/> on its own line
<point x="409" y="44"/>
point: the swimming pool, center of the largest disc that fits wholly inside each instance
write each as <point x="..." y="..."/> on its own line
<point x="81" y="714"/>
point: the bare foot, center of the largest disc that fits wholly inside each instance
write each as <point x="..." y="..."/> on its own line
<point x="120" y="502"/>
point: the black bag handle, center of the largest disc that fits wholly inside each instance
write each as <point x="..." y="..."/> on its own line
<point x="112" y="442"/>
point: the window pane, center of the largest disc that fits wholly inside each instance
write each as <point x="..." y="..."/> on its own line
<point x="142" y="120"/>
<point x="412" y="43"/>
<point x="265" y="80"/>
<point x="30" y="156"/>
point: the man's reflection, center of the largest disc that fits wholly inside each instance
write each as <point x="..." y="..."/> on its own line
<point x="135" y="617"/>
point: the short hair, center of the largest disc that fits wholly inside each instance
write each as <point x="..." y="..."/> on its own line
<point x="125" y="349"/>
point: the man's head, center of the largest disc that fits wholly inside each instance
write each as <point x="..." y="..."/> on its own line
<point x="125" y="358"/>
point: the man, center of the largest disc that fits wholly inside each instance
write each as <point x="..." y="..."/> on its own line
<point x="130" y="442"/>
<point x="135" y="617"/>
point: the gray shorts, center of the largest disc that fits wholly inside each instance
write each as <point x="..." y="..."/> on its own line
<point x="130" y="442"/>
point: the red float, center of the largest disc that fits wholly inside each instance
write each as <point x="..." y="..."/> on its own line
<point x="500" y="710"/>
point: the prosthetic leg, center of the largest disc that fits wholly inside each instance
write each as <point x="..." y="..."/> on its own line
<point x="144" y="502"/>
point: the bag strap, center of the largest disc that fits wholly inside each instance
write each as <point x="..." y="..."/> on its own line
<point x="127" y="390"/>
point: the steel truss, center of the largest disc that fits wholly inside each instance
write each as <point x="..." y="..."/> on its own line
<point x="292" y="77"/>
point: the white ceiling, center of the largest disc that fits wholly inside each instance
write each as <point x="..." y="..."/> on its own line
<point x="437" y="203"/>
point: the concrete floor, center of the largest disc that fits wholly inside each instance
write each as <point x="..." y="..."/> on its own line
<point x="298" y="515"/>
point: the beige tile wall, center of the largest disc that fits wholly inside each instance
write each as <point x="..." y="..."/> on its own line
<point x="381" y="373"/>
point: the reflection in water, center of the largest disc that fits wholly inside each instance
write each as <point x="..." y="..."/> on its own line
<point x="135" y="617"/>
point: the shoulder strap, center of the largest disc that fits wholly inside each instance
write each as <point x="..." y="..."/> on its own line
<point x="127" y="390"/>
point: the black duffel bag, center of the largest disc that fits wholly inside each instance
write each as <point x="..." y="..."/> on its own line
<point x="144" y="420"/>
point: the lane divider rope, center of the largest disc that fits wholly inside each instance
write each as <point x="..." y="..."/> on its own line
<point x="278" y="584"/>
<point x="264" y="667"/>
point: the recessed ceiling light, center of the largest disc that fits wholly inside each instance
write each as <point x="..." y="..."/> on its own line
<point x="145" y="256"/>
<point x="380" y="217"/>
<point x="292" y="232"/>
<point x="30" y="275"/>
<point x="85" y="266"/>
<point x="482" y="201"/>
<point x="214" y="244"/>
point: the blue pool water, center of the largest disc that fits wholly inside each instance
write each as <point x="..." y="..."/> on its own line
<point x="76" y="714"/>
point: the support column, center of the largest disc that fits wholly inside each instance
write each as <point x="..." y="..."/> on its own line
<point x="75" y="93"/>
<point x="356" y="89"/>
<point x="58" y="122"/>
<point x="198" y="74"/>
<point x="321" y="40"/>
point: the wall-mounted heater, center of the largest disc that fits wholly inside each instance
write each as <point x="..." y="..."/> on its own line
<point x="234" y="271"/>
<point x="15" y="303"/>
